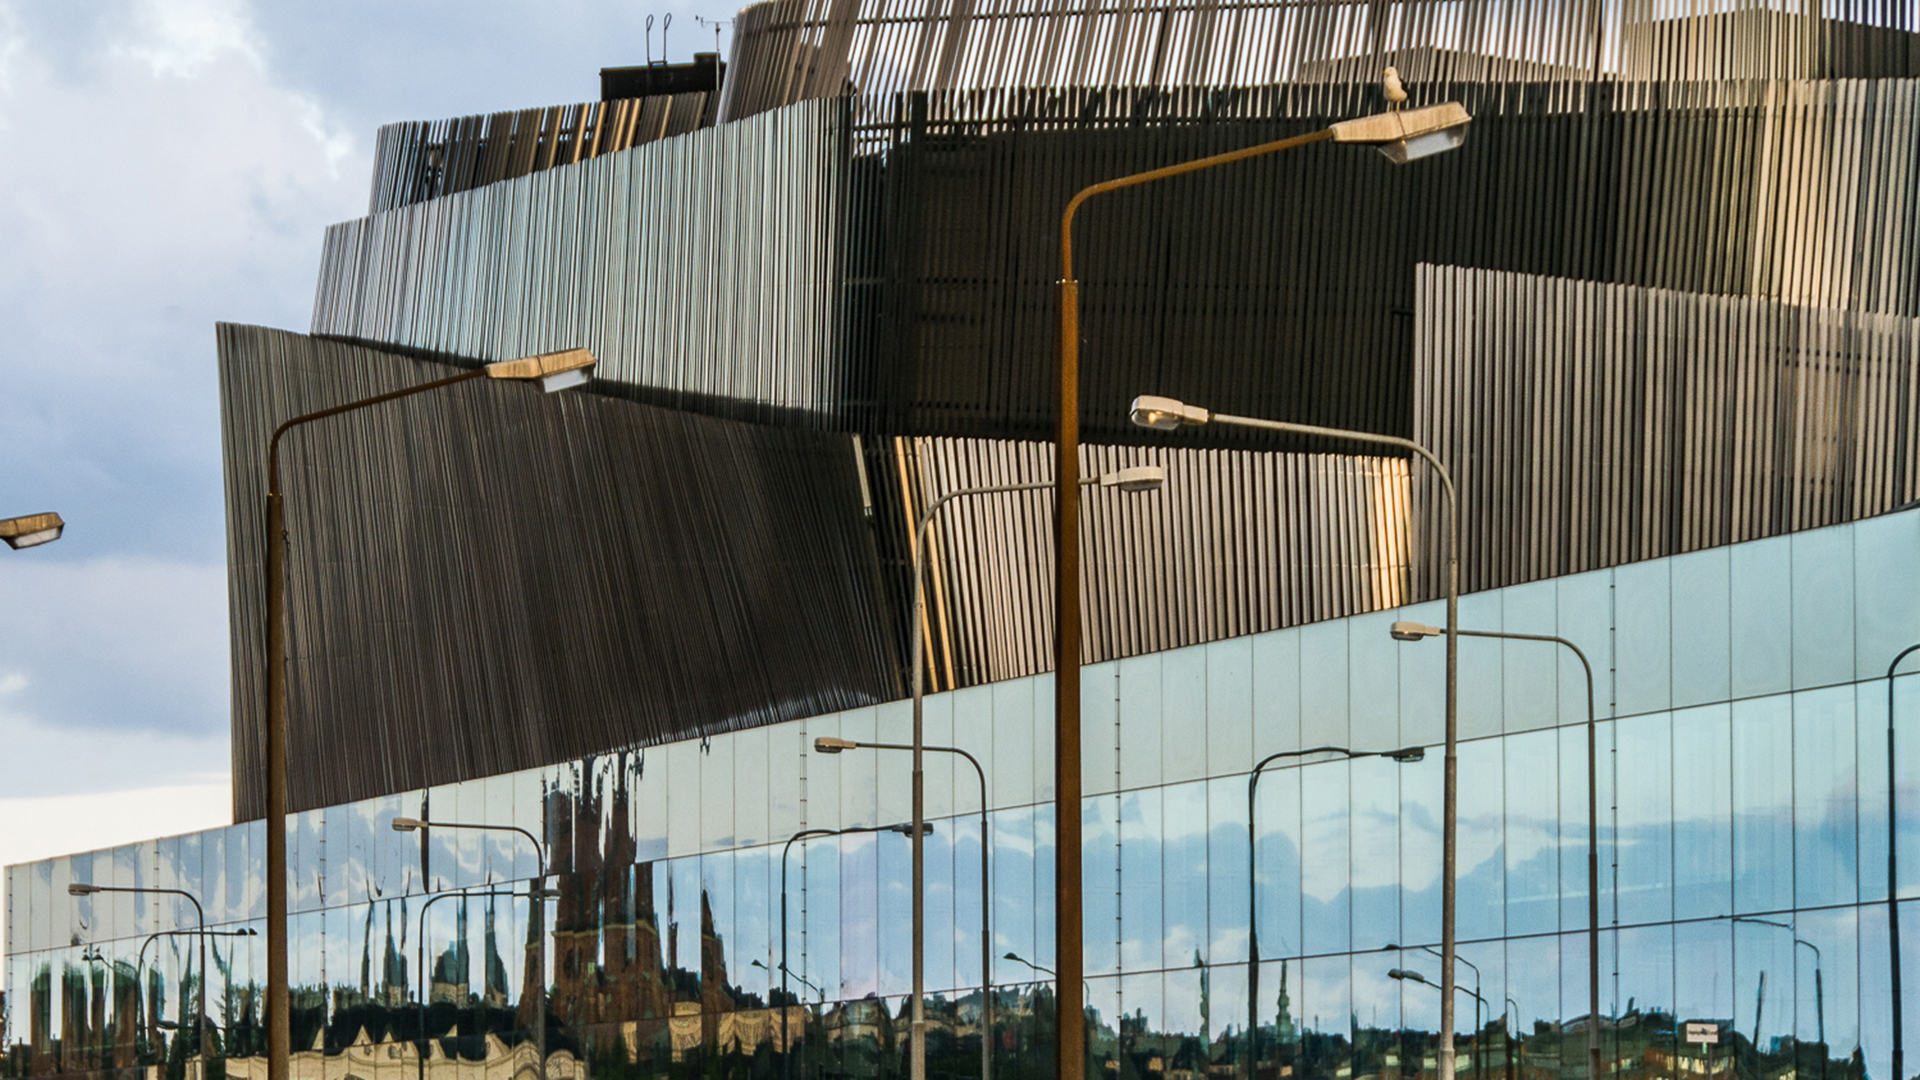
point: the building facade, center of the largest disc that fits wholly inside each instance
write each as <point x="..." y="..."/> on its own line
<point x="1659" y="317"/>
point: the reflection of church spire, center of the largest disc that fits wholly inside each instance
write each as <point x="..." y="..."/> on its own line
<point x="495" y="991"/>
<point x="1206" y="996"/>
<point x="1284" y="1027"/>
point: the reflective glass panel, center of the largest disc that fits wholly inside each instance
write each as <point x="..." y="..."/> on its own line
<point x="1643" y="653"/>
<point x="1530" y="669"/>
<point x="1227" y="870"/>
<point x="1824" y="760"/>
<point x="1276" y="692"/>
<point x="1373" y="675"/>
<point x="1326" y="909"/>
<point x="1140" y="717"/>
<point x="1532" y="841"/>
<point x="1184" y="873"/>
<point x="1323" y="685"/>
<point x="1702" y="812"/>
<point x="1016" y="905"/>
<point x="1702" y="657"/>
<point x="1762" y="748"/>
<point x="1761" y="636"/>
<point x="1822" y="607"/>
<point x="1277" y="863"/>
<point x="1183" y="719"/>
<point x="1886" y="590"/>
<point x="1141" y="882"/>
<point x="1229" y="705"/>
<point x="1014" y="727"/>
<point x="1374" y="818"/>
<point x="1644" y="830"/>
<point x="860" y="912"/>
<point x="1481" y="886"/>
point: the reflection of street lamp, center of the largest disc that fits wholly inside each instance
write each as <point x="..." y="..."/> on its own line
<point x="140" y="957"/>
<point x="199" y="1022"/>
<point x="538" y="896"/>
<point x="536" y="915"/>
<point x="1409" y="975"/>
<point x="1403" y="136"/>
<point x="1893" y="879"/>
<point x="31" y="530"/>
<point x="552" y="371"/>
<point x="804" y="981"/>
<point x="1047" y="971"/>
<point x="827" y="744"/>
<point x="1431" y="951"/>
<point x="1405" y="755"/>
<point x="1407" y="631"/>
<point x="1819" y="991"/>
<point x="786" y="1042"/>
<point x="1166" y="414"/>
<point x="1136" y="478"/>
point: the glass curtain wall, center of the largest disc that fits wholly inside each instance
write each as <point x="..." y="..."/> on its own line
<point x="737" y="905"/>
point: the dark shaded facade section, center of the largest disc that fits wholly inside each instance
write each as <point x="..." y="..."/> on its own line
<point x="486" y="579"/>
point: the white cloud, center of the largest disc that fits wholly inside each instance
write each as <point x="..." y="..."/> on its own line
<point x="42" y="828"/>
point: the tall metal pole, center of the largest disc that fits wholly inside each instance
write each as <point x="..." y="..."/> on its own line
<point x="1893" y="880"/>
<point x="279" y="1015"/>
<point x="917" y="1061"/>
<point x="1450" y="797"/>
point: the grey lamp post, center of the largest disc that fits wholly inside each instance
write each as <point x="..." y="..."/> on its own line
<point x="1893" y="880"/>
<point x="1409" y="975"/>
<point x="1136" y="478"/>
<point x="1407" y="631"/>
<point x="551" y="371"/>
<point x="1405" y="755"/>
<point x="31" y="530"/>
<point x="200" y="1019"/>
<point x="536" y="915"/>
<point x="1167" y="414"/>
<point x="827" y="744"/>
<point x="786" y="1040"/>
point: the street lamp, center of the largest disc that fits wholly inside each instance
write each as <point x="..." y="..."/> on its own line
<point x="1819" y="991"/>
<point x="827" y="744"/>
<point x="31" y="530"/>
<point x="536" y="915"/>
<point x="1403" y="136"/>
<point x="786" y="1040"/>
<point x="1893" y="879"/>
<point x="1409" y="975"/>
<point x="1167" y="414"/>
<point x="551" y="371"/>
<point x="1132" y="479"/>
<point x="1041" y="968"/>
<point x="1408" y="631"/>
<point x="1478" y="1056"/>
<point x="82" y="889"/>
<point x="1405" y="755"/>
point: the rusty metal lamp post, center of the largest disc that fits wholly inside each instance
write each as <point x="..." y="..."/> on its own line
<point x="1166" y="414"/>
<point x="1407" y="631"/>
<point x="1403" y="136"/>
<point x="552" y="371"/>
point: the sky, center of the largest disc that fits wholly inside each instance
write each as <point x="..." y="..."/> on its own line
<point x="166" y="165"/>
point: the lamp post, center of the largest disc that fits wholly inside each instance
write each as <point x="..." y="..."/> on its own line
<point x="1409" y="975"/>
<point x="827" y="744"/>
<point x="1403" y="136"/>
<point x="199" y="1021"/>
<point x="1407" y="631"/>
<point x="1405" y="755"/>
<point x="1133" y="479"/>
<point x="1478" y="1055"/>
<point x="786" y="1041"/>
<point x="31" y="530"/>
<point x="536" y="915"/>
<point x="1166" y="414"/>
<point x="552" y="371"/>
<point x="1041" y="968"/>
<point x="1893" y="880"/>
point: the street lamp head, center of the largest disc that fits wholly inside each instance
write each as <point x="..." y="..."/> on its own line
<point x="1135" y="478"/>
<point x="1409" y="134"/>
<point x="827" y="744"/>
<point x="407" y="824"/>
<point x="1408" y="976"/>
<point x="1413" y="631"/>
<point x="906" y="828"/>
<point x="553" y="371"/>
<point x="31" y="530"/>
<point x="80" y="889"/>
<point x="1165" y="414"/>
<point x="1407" y="755"/>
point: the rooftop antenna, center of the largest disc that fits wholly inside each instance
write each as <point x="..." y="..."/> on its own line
<point x="649" y="41"/>
<point x="664" y="24"/>
<point x="716" y="24"/>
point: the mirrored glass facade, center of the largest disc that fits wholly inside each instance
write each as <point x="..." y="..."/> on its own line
<point x="740" y="905"/>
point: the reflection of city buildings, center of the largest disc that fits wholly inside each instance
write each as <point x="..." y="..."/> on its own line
<point x="1659" y="317"/>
